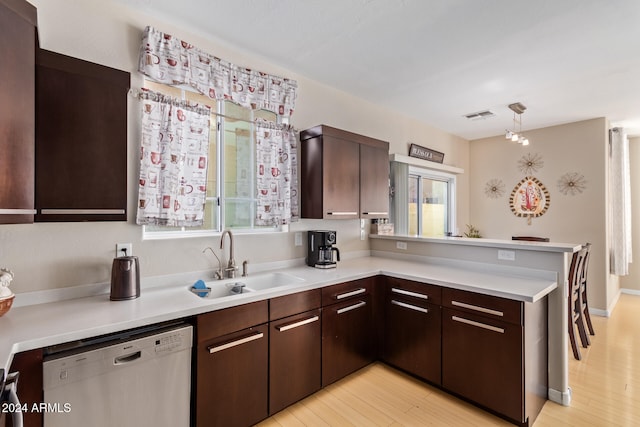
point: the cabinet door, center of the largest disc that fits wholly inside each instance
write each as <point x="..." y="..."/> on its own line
<point x="294" y="359"/>
<point x="81" y="140"/>
<point x="482" y="360"/>
<point x="412" y="336"/>
<point x="232" y="379"/>
<point x="341" y="178"/>
<point x="17" y="111"/>
<point x="374" y="182"/>
<point x="347" y="338"/>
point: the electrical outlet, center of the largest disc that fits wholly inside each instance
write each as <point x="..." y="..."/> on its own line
<point x="124" y="249"/>
<point x="298" y="238"/>
<point x="401" y="245"/>
<point x="507" y="255"/>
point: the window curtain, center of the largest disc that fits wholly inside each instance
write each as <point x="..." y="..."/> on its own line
<point x="620" y="198"/>
<point x="399" y="173"/>
<point x="276" y="172"/>
<point x="173" y="161"/>
<point x="167" y="59"/>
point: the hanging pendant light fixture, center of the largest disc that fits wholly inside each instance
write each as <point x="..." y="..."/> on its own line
<point x="512" y="135"/>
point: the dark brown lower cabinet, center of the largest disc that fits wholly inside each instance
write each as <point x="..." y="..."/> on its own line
<point x="494" y="353"/>
<point x="347" y="338"/>
<point x="412" y="329"/>
<point x="232" y="369"/>
<point x="29" y="364"/>
<point x="294" y="359"/>
<point x="482" y="361"/>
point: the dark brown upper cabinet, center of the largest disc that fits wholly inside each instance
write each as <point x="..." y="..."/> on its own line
<point x="343" y="175"/>
<point x="81" y="140"/>
<point x="18" y="20"/>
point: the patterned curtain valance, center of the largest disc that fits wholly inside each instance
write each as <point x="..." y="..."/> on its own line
<point x="168" y="60"/>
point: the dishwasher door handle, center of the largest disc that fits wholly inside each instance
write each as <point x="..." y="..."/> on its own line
<point x="123" y="360"/>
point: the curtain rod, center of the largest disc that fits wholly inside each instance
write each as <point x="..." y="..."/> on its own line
<point x="258" y="121"/>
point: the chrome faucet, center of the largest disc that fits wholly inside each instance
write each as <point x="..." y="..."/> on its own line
<point x="231" y="269"/>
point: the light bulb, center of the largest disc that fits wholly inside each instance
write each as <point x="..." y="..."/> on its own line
<point x="514" y="137"/>
<point x="525" y="141"/>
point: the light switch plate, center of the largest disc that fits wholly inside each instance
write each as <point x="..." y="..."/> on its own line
<point x="298" y="238"/>
<point x="401" y="245"/>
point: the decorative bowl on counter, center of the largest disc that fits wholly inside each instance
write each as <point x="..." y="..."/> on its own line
<point x="5" y="303"/>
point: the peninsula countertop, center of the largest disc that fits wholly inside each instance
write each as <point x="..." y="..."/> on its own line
<point x="34" y="326"/>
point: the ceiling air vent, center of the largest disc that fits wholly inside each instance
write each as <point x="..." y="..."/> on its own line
<point x="480" y="115"/>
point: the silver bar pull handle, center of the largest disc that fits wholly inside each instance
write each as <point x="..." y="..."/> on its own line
<point x="217" y="348"/>
<point x="409" y="293"/>
<point x="478" y="324"/>
<point x="477" y="308"/>
<point x="18" y="211"/>
<point x="10" y="392"/>
<point x="375" y="213"/>
<point x="351" y="294"/>
<point x="297" y="324"/>
<point x="351" y="307"/>
<point x="409" y="306"/>
<point x="342" y="213"/>
<point x="82" y="211"/>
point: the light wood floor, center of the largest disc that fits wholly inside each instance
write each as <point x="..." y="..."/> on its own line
<point x="605" y="384"/>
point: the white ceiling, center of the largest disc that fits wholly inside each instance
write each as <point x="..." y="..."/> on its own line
<point x="438" y="60"/>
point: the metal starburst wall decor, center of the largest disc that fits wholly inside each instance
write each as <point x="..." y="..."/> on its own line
<point x="530" y="163"/>
<point x="572" y="183"/>
<point x="494" y="188"/>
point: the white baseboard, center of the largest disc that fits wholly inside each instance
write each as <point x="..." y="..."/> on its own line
<point x="562" y="398"/>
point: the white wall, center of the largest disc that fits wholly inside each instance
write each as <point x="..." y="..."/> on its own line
<point x="46" y="256"/>
<point x="576" y="147"/>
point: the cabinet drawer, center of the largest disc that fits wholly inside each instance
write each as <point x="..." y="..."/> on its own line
<point x="288" y="305"/>
<point x="414" y="291"/>
<point x="347" y="290"/>
<point x="488" y="306"/>
<point x="222" y="322"/>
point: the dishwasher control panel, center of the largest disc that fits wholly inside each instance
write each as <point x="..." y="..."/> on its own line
<point x="170" y="342"/>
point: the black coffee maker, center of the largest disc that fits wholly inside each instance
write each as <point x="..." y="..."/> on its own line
<point x="320" y="249"/>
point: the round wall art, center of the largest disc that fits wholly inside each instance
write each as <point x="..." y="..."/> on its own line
<point x="529" y="199"/>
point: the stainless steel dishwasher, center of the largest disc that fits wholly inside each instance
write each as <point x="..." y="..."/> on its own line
<point x="140" y="378"/>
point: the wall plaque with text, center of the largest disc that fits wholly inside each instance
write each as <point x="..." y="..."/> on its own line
<point x="425" y="153"/>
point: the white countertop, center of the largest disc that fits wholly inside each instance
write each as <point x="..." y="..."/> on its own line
<point x="487" y="243"/>
<point x="35" y="326"/>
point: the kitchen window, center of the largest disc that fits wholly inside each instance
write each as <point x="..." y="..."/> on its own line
<point x="423" y="202"/>
<point x="230" y="199"/>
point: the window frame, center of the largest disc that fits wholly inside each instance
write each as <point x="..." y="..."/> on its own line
<point x="450" y="180"/>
